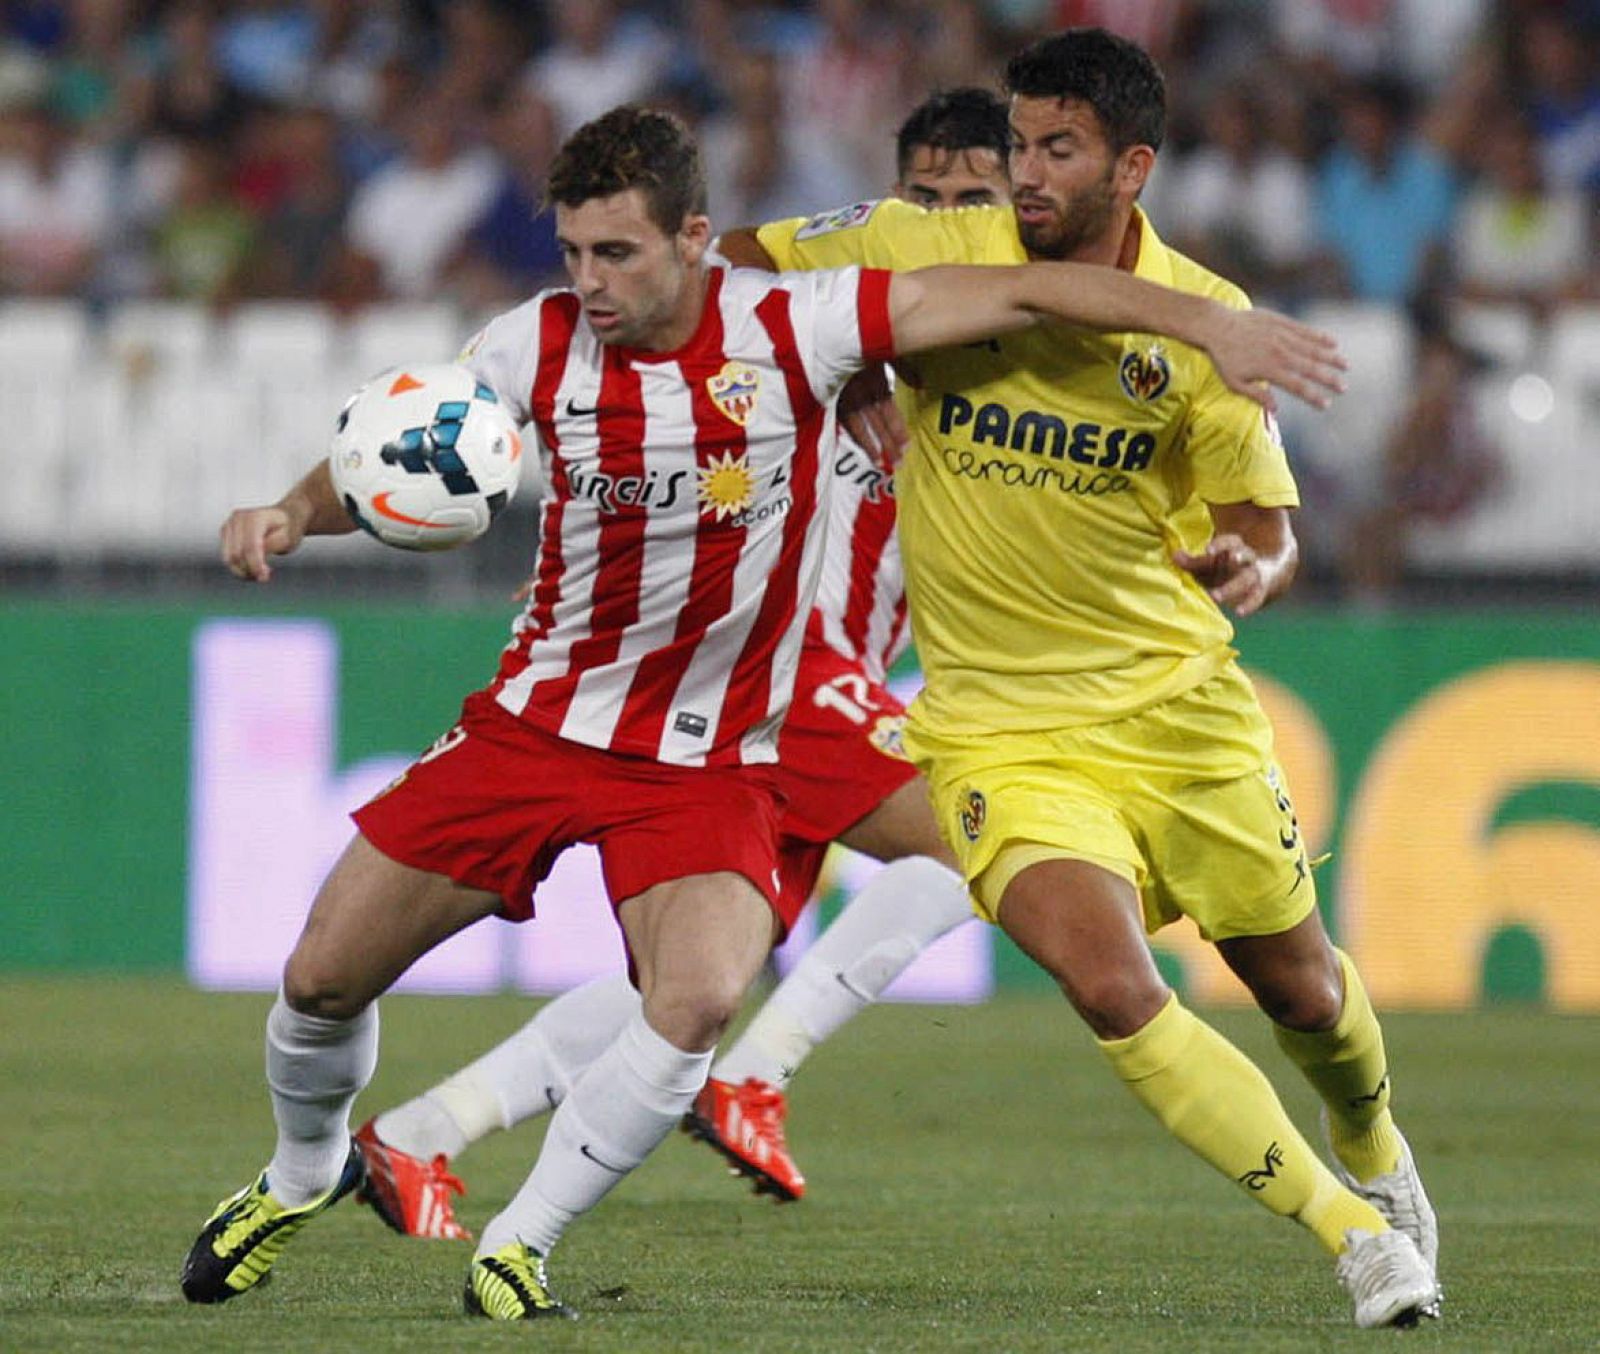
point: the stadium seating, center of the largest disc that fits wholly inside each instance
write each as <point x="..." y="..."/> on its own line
<point x="1507" y="335"/>
<point x="144" y="427"/>
<point x="386" y="335"/>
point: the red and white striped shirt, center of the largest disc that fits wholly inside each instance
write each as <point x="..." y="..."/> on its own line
<point x="676" y="565"/>
<point x="861" y="603"/>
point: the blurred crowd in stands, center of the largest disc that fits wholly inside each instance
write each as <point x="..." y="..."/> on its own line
<point x="1414" y="153"/>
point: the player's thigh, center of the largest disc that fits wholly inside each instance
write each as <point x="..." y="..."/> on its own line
<point x="1083" y="924"/>
<point x="840" y="759"/>
<point x="1225" y="853"/>
<point x="901" y="825"/>
<point x="697" y="943"/>
<point x="1005" y="802"/>
<point x="372" y="919"/>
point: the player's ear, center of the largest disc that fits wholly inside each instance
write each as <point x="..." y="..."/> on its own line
<point x="694" y="238"/>
<point x="1133" y="169"/>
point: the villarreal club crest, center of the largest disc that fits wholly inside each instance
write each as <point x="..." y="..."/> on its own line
<point x="1145" y="372"/>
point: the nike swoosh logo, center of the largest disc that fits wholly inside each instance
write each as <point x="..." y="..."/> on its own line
<point x="380" y="505"/>
<point x="1370" y="1099"/>
<point x="603" y="1165"/>
<point x="574" y="412"/>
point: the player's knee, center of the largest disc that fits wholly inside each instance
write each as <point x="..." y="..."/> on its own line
<point x="1116" y="1005"/>
<point x="1305" y="1001"/>
<point x="316" y="990"/>
<point x="694" y="1017"/>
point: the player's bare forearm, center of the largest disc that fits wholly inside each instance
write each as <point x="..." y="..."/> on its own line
<point x="314" y="503"/>
<point x="251" y="535"/>
<point x="938" y="307"/>
<point x="1250" y="560"/>
<point x="743" y="250"/>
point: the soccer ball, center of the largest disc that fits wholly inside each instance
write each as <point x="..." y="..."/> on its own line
<point x="425" y="457"/>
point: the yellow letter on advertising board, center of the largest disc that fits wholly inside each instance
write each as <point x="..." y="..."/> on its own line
<point x="1427" y="878"/>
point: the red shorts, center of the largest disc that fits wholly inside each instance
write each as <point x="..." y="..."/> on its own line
<point x="839" y="757"/>
<point x="495" y="801"/>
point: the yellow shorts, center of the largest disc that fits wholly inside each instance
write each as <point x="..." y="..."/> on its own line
<point x="1183" y="800"/>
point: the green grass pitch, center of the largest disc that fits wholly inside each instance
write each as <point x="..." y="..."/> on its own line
<point x="977" y="1181"/>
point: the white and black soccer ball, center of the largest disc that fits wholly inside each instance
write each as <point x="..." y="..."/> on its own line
<point x="425" y="456"/>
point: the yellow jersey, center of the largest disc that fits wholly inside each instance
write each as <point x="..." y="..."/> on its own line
<point x="1051" y="474"/>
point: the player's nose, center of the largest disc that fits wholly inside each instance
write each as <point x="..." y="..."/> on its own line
<point x="586" y="277"/>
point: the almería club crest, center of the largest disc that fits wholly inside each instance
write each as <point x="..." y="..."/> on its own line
<point x="733" y="390"/>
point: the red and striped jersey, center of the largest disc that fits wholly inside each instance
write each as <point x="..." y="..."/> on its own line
<point x="861" y="602"/>
<point x="677" y="563"/>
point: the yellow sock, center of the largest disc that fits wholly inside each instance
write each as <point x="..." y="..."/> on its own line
<point x="1348" y="1068"/>
<point x="1217" y="1103"/>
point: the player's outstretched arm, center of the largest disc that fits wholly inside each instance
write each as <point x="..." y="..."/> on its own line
<point x="743" y="249"/>
<point x="311" y="508"/>
<point x="938" y="307"/>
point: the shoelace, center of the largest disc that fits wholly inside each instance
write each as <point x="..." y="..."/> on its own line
<point x="762" y="1104"/>
<point x="1372" y="1276"/>
<point x="439" y="1174"/>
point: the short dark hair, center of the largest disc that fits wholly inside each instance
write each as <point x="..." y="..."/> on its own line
<point x="968" y="118"/>
<point x="632" y="147"/>
<point x="1113" y="76"/>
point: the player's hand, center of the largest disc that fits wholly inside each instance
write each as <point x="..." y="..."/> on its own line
<point x="1230" y="571"/>
<point x="869" y="414"/>
<point x="251" y="534"/>
<point x="525" y="590"/>
<point x="1255" y="349"/>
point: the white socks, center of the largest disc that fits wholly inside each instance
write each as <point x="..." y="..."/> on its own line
<point x="903" y="909"/>
<point x="615" y="1113"/>
<point x="530" y="1073"/>
<point x="315" y="1070"/>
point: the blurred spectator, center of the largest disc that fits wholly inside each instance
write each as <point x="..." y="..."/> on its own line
<point x="1560" y="65"/>
<point x="959" y="45"/>
<point x="259" y="158"/>
<point x="1239" y="204"/>
<point x="1517" y="240"/>
<point x="1437" y="464"/>
<point x="1433" y="38"/>
<point x="1156" y="25"/>
<point x="183" y="89"/>
<point x="599" y="60"/>
<point x="267" y="48"/>
<point x="376" y="137"/>
<point x="205" y="239"/>
<point x="1385" y="197"/>
<point x="89" y="70"/>
<point x="484" y="51"/>
<point x="412" y="216"/>
<point x="304" y="231"/>
<point x="761" y="166"/>
<point x="849" y="88"/>
<point x="37" y="24"/>
<point x="1342" y="37"/>
<point x="511" y="250"/>
<point x="354" y="43"/>
<point x="55" y="204"/>
<point x="1420" y="40"/>
<point x="706" y="42"/>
